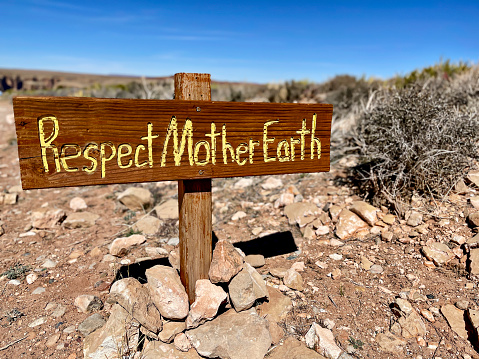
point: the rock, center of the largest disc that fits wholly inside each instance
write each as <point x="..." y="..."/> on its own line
<point x="336" y="273"/>
<point x="158" y="350"/>
<point x="336" y="256"/>
<point x="147" y="225"/>
<point x="277" y="306"/>
<point x="473" y="316"/>
<point x="389" y="342"/>
<point x="348" y="224"/>
<point x="37" y="322"/>
<point x="154" y="252"/>
<point x="174" y="259"/>
<point x="87" y="303"/>
<point x="272" y="183"/>
<point x="415" y="219"/>
<point x="462" y="304"/>
<point x="96" y="252"/>
<point x="428" y="315"/>
<point x="365" y="263"/>
<point x="243" y="183"/>
<point x="246" y="287"/>
<point x="182" y="342"/>
<point x="119" y="335"/>
<point x="167" y="292"/>
<point x="121" y="246"/>
<point x="367" y="212"/>
<point x="209" y="297"/>
<point x="401" y="307"/>
<point x="232" y="335"/>
<point x="473" y="176"/>
<point x="297" y="211"/>
<point x="473" y="219"/>
<point x="293" y="349"/>
<point x="32" y="277"/>
<point x="309" y="233"/>
<point x="10" y="198"/>
<point x="76" y="254"/>
<point x="49" y="264"/>
<point x="80" y="220"/>
<point x="59" y="311"/>
<point x="455" y="319"/>
<point x="293" y="280"/>
<point x="255" y="260"/>
<point x="226" y="262"/>
<point x="376" y="269"/>
<point x="474" y="261"/>
<point x="278" y="272"/>
<point x="47" y="219"/>
<point x="135" y="298"/>
<point x="439" y="253"/>
<point x="52" y="340"/>
<point x="460" y="187"/>
<point x="412" y="325"/>
<point x="90" y="324"/>
<point x="276" y="332"/>
<point x="389" y="219"/>
<point x="322" y="340"/>
<point x="78" y="204"/>
<point x="475" y="201"/>
<point x="167" y="210"/>
<point x="322" y="230"/>
<point x="169" y="331"/>
<point x="136" y="198"/>
<point x="238" y="215"/>
<point x="284" y="200"/>
<point x="38" y="290"/>
<point x="298" y="266"/>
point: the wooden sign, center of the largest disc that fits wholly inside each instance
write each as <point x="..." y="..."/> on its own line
<point x="86" y="141"/>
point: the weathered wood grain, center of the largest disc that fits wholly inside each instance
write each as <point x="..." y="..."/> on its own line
<point x="194" y="201"/>
<point x="84" y="121"/>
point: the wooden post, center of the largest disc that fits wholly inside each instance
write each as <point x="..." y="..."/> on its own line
<point x="194" y="200"/>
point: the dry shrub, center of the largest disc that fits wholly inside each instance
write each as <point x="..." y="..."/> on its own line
<point x="414" y="140"/>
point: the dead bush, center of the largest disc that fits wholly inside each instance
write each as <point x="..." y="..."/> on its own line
<point x="414" y="140"/>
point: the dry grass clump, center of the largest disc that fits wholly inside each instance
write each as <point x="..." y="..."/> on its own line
<point x="416" y="139"/>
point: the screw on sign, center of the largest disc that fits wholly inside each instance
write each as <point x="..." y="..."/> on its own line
<point x="66" y="141"/>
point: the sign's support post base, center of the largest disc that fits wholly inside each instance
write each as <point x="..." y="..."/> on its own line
<point x="194" y="200"/>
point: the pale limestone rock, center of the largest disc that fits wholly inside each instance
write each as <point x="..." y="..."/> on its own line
<point x="10" y="198"/>
<point x="47" y="219"/>
<point x="226" y="262"/>
<point x="167" y="292"/>
<point x="276" y="332"/>
<point x="90" y="324"/>
<point x="475" y="201"/>
<point x="135" y="298"/>
<point x="169" y="331"/>
<point x="402" y="307"/>
<point x="278" y="272"/>
<point x="473" y="176"/>
<point x="348" y="224"/>
<point x="52" y="340"/>
<point x="209" y="297"/>
<point x="80" y="220"/>
<point x="136" y="198"/>
<point x="87" y="303"/>
<point x="389" y="342"/>
<point x="243" y="183"/>
<point x="238" y="215"/>
<point x="255" y="260"/>
<point x="168" y="209"/>
<point x="110" y="340"/>
<point x="158" y="350"/>
<point x="121" y="246"/>
<point x="182" y="342"/>
<point x="322" y="230"/>
<point x="78" y="204"/>
<point x="389" y="219"/>
<point x="455" y="319"/>
<point x="293" y="280"/>
<point x="246" y="287"/>
<point x="365" y="263"/>
<point x="293" y="349"/>
<point x="154" y="252"/>
<point x="322" y="340"/>
<point x="232" y="335"/>
<point x="32" y="277"/>
<point x="474" y="261"/>
<point x="284" y="200"/>
<point x="367" y="212"/>
<point x="277" y="306"/>
<point x="297" y="212"/>
<point x="428" y="315"/>
<point x="473" y="219"/>
<point x="439" y="253"/>
<point x="412" y="325"/>
<point x="148" y="225"/>
<point x="272" y="183"/>
<point x="414" y="219"/>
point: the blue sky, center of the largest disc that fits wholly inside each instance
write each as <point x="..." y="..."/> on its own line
<point x="257" y="41"/>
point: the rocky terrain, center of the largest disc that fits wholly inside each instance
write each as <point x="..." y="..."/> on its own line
<point x="302" y="268"/>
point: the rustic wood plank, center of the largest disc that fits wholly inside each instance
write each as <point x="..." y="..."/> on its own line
<point x="87" y="124"/>
<point x="194" y="200"/>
